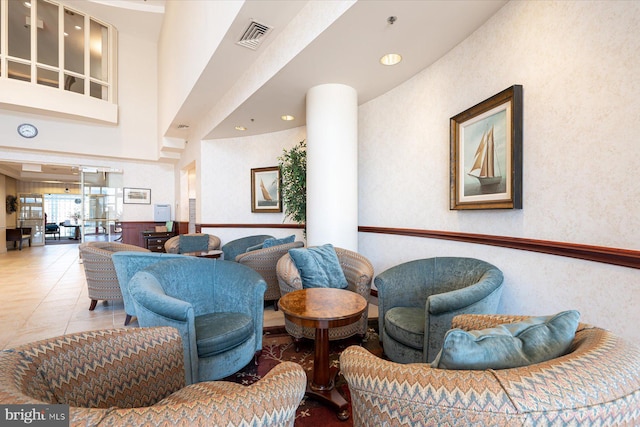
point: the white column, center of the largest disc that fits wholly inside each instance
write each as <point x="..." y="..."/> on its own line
<point x="332" y="166"/>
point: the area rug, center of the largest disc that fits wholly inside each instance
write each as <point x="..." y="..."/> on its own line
<point x="279" y="347"/>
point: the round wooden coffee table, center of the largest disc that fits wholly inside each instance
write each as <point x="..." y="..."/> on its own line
<point x="324" y="308"/>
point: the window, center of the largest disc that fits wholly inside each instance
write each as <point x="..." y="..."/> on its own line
<point x="52" y="45"/>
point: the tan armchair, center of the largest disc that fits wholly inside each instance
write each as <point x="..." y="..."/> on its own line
<point x="102" y="281"/>
<point x="264" y="261"/>
<point x="172" y="245"/>
<point x="135" y="377"/>
<point x="597" y="383"/>
<point x="357" y="270"/>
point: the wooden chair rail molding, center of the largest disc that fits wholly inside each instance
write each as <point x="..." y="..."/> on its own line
<point x="623" y="257"/>
<point x="251" y="225"/>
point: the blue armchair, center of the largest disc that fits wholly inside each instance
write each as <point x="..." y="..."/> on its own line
<point x="418" y="299"/>
<point x="239" y="246"/>
<point x="216" y="305"/>
<point x="127" y="264"/>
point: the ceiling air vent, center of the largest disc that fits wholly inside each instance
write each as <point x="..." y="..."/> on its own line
<point x="254" y="35"/>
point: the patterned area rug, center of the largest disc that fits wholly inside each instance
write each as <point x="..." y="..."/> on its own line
<point x="278" y="347"/>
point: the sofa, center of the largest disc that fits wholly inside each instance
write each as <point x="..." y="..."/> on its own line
<point x="596" y="383"/>
<point x="134" y="377"/>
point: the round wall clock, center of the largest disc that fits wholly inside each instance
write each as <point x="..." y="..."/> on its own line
<point x="27" y="130"/>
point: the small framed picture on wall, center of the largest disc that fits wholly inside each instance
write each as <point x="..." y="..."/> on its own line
<point x="265" y="190"/>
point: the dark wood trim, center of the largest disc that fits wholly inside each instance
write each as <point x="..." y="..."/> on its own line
<point x="615" y="256"/>
<point x="299" y="226"/>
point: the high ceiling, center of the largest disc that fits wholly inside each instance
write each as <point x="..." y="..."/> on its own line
<point x="347" y="52"/>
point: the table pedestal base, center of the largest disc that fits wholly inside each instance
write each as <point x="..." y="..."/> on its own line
<point x="330" y="395"/>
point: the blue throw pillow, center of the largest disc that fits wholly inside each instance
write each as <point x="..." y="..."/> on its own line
<point x="534" y="340"/>
<point x="193" y="243"/>
<point x="319" y="267"/>
<point x="275" y="242"/>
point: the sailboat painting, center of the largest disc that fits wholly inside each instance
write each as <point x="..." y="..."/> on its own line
<point x="486" y="154"/>
<point x="265" y="190"/>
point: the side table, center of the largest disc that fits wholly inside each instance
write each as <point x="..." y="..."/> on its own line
<point x="324" y="308"/>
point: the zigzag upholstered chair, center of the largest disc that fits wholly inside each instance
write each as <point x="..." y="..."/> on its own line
<point x="102" y="281"/>
<point x="596" y="384"/>
<point x="135" y="378"/>
<point x="358" y="271"/>
<point x="264" y="261"/>
<point x="172" y="245"/>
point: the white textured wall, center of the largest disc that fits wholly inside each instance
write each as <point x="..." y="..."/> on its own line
<point x="226" y="181"/>
<point x="579" y="65"/>
<point x="136" y="134"/>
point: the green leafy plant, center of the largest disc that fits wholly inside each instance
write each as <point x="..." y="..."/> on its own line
<point x="293" y="168"/>
<point x="12" y="204"/>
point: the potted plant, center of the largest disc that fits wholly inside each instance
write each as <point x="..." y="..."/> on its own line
<point x="293" y="168"/>
<point x="12" y="204"/>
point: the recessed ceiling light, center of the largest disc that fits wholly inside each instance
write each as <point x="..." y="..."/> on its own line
<point x="78" y="27"/>
<point x="391" y="59"/>
<point x="287" y="117"/>
<point x="27" y="4"/>
<point x="241" y="128"/>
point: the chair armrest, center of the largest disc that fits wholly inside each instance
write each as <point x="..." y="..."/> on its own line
<point x="288" y="275"/>
<point x="270" y="402"/>
<point x="416" y="387"/>
<point x="153" y="299"/>
<point x="358" y="271"/>
<point x="490" y="283"/>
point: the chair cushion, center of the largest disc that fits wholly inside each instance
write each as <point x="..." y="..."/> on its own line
<point x="319" y="267"/>
<point x="534" y="340"/>
<point x="193" y="243"/>
<point x="406" y="325"/>
<point x="275" y="242"/>
<point x="219" y="332"/>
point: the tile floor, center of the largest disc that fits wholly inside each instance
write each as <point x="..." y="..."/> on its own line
<point x="44" y="294"/>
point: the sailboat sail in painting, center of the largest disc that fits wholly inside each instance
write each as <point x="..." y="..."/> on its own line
<point x="265" y="193"/>
<point x="485" y="168"/>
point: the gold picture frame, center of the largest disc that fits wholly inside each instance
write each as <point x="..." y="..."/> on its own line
<point x="265" y="189"/>
<point x="486" y="154"/>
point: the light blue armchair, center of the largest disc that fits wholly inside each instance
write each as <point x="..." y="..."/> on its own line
<point x="216" y="305"/>
<point x="239" y="246"/>
<point x="127" y="264"/>
<point x="418" y="299"/>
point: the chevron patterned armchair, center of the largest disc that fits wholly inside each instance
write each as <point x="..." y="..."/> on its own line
<point x="358" y="271"/>
<point x="135" y="377"/>
<point x="596" y="384"/>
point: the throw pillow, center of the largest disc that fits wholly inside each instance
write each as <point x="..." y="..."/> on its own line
<point x="319" y="267"/>
<point x="193" y="243"/>
<point x="275" y="242"/>
<point x="509" y="346"/>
